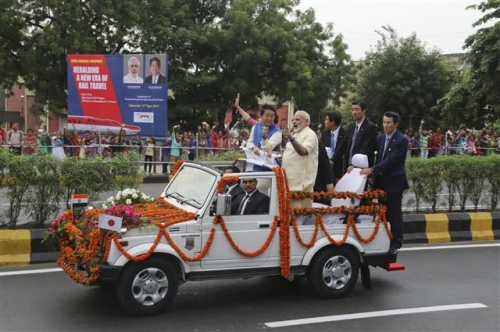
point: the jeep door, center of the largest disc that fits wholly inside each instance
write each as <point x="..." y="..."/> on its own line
<point x="249" y="233"/>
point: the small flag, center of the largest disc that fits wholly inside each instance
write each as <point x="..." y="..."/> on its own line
<point x="110" y="222"/>
<point x="79" y="200"/>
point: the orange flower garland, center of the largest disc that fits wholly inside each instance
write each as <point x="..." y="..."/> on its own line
<point x="258" y="252"/>
<point x="176" y="166"/>
<point x="221" y="184"/>
<point x="284" y="207"/>
<point x="376" y="194"/>
<point x="317" y="221"/>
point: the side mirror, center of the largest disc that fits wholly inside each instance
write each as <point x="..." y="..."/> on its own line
<point x="223" y="205"/>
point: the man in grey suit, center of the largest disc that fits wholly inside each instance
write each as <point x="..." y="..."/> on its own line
<point x="390" y="175"/>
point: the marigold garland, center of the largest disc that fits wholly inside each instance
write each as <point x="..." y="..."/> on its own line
<point x="258" y="252"/>
<point x="221" y="184"/>
<point x="176" y="166"/>
<point x="284" y="213"/>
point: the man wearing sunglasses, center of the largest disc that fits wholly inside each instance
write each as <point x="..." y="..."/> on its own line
<point x="253" y="202"/>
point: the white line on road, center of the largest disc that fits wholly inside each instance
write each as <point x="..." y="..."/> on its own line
<point x="15" y="273"/>
<point x="458" y="246"/>
<point x="371" y="314"/>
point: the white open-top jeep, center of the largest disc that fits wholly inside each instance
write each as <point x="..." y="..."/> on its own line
<point x="195" y="237"/>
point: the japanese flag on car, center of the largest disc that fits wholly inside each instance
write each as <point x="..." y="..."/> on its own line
<point x="110" y="222"/>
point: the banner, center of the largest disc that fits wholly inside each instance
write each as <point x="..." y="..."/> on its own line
<point x="115" y="92"/>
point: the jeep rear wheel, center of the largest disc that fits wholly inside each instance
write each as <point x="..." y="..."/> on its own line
<point x="148" y="287"/>
<point x="333" y="272"/>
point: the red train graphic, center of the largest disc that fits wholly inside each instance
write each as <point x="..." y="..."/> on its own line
<point x="84" y="123"/>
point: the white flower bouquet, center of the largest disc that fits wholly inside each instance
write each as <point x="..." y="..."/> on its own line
<point x="128" y="196"/>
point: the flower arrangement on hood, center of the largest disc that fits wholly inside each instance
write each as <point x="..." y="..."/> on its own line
<point x="130" y="217"/>
<point x="128" y="196"/>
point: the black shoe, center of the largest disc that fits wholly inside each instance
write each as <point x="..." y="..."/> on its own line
<point x="393" y="251"/>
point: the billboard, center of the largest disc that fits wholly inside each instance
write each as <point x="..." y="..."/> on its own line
<point x="113" y="92"/>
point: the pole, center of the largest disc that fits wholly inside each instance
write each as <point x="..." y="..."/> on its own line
<point x="46" y="109"/>
<point x="23" y="108"/>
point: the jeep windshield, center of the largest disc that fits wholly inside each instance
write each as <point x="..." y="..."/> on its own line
<point x="191" y="185"/>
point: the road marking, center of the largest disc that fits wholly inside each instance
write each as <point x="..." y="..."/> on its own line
<point x="16" y="273"/>
<point x="371" y="314"/>
<point x="458" y="246"/>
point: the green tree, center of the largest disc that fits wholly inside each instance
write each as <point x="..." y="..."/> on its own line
<point x="461" y="104"/>
<point x="484" y="58"/>
<point x="12" y="38"/>
<point x="402" y="76"/>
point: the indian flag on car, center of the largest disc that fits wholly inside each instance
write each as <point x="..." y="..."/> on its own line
<point x="78" y="200"/>
<point x="110" y="222"/>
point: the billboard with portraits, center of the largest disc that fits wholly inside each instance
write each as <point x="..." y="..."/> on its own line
<point x="114" y="92"/>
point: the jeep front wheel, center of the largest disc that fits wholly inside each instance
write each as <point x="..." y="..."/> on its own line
<point x="333" y="272"/>
<point x="148" y="287"/>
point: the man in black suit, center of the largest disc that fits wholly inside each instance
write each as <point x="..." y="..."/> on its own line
<point x="361" y="136"/>
<point x="253" y="202"/>
<point x="332" y="138"/>
<point x="156" y="77"/>
<point x="324" y="177"/>
<point x="390" y="175"/>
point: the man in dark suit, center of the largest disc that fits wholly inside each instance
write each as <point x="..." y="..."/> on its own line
<point x="253" y="202"/>
<point x="156" y="77"/>
<point x="361" y="136"/>
<point x="332" y="137"/>
<point x="390" y="175"/>
<point x="324" y="177"/>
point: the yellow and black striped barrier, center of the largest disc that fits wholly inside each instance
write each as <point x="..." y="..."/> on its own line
<point x="451" y="227"/>
<point x="22" y="247"/>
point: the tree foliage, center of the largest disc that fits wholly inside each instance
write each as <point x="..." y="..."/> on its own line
<point x="402" y="76"/>
<point x="216" y="49"/>
<point x="460" y="105"/>
<point x="484" y="58"/>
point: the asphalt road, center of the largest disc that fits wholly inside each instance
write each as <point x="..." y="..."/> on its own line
<point x="444" y="288"/>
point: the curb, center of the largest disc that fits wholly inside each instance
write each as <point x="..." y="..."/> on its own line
<point x="451" y="227"/>
<point x="23" y="247"/>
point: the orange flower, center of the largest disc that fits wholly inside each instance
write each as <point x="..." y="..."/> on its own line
<point x="221" y="184"/>
<point x="176" y="166"/>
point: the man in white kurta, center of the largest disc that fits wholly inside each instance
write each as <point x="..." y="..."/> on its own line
<point x="134" y="69"/>
<point x="300" y="158"/>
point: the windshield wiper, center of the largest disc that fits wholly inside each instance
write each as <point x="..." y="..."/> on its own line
<point x="191" y="200"/>
<point x="177" y="195"/>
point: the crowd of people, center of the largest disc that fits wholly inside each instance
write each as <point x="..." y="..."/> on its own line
<point x="426" y="143"/>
